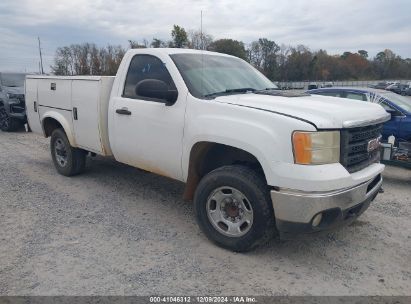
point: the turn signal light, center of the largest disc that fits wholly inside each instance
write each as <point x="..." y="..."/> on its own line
<point x="316" y="148"/>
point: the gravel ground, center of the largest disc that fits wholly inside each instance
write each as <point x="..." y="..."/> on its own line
<point x="116" y="230"/>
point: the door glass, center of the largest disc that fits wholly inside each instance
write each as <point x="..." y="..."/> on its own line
<point x="385" y="106"/>
<point x="333" y="94"/>
<point x="356" y="96"/>
<point x="144" y="67"/>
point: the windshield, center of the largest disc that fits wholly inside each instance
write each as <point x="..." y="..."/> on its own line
<point x="207" y="75"/>
<point x="401" y="101"/>
<point x="12" y="80"/>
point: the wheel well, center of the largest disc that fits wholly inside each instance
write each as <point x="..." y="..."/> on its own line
<point x="49" y="125"/>
<point x="207" y="156"/>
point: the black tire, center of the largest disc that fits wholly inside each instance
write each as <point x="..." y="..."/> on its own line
<point x="7" y="123"/>
<point x="75" y="159"/>
<point x="255" y="189"/>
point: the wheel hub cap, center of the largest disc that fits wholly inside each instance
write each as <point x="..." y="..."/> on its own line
<point x="230" y="212"/>
<point x="60" y="152"/>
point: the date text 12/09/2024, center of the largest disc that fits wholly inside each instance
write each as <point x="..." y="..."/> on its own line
<point x="203" y="299"/>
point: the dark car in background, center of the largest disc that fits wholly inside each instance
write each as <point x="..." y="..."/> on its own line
<point x="398" y="106"/>
<point x="312" y="85"/>
<point x="398" y="88"/>
<point x="381" y="85"/>
<point x="12" y="105"/>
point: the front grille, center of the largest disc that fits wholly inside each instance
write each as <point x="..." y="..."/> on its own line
<point x="354" y="146"/>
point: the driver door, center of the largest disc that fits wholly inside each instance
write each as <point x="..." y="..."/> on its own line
<point x="146" y="133"/>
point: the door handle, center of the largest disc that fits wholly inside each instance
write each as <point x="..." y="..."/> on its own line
<point x="123" y="111"/>
<point x="75" y="113"/>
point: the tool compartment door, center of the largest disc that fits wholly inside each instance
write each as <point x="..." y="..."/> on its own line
<point x="32" y="106"/>
<point x="85" y="96"/>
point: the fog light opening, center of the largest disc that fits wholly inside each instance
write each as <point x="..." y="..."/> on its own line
<point x="317" y="219"/>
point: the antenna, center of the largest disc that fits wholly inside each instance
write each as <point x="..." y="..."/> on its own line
<point x="202" y="48"/>
<point x="201" y="30"/>
<point x="41" y="57"/>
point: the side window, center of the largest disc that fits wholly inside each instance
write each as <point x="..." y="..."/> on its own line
<point x="385" y="106"/>
<point x="356" y="96"/>
<point x="333" y="94"/>
<point x="144" y="67"/>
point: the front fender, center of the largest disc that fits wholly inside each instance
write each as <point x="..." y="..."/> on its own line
<point x="265" y="135"/>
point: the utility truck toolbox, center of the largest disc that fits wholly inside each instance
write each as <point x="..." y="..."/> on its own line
<point x="256" y="161"/>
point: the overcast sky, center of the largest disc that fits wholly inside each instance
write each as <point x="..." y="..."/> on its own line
<point x="336" y="26"/>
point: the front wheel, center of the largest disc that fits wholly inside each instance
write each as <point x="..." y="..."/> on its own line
<point x="68" y="161"/>
<point x="233" y="208"/>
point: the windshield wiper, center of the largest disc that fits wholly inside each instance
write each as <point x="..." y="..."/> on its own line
<point x="239" y="90"/>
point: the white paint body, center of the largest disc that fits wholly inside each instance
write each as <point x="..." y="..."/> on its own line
<point x="159" y="138"/>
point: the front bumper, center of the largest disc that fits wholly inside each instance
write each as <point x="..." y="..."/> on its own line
<point x="295" y="210"/>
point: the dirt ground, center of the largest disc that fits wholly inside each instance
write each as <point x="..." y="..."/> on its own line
<point x="116" y="230"/>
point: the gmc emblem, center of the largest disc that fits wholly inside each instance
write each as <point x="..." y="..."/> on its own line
<point x="374" y="144"/>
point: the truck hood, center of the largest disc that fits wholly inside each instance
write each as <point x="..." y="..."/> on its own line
<point x="322" y="111"/>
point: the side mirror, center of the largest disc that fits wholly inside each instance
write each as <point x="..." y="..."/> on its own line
<point x="393" y="112"/>
<point x="156" y="89"/>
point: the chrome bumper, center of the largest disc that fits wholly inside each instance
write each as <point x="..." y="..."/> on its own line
<point x="300" y="207"/>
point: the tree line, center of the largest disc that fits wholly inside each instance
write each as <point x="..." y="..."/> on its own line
<point x="277" y="62"/>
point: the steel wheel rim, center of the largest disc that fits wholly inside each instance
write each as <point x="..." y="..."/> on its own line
<point x="4" y="118"/>
<point x="229" y="211"/>
<point x="60" y="152"/>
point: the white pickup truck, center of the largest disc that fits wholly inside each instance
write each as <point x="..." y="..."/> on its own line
<point x="255" y="160"/>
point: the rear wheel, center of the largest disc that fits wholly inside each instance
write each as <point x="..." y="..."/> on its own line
<point x="233" y="208"/>
<point x="7" y="123"/>
<point x="68" y="161"/>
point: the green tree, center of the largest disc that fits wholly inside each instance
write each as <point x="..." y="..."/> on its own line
<point x="179" y="35"/>
<point x="345" y="55"/>
<point x="299" y="63"/>
<point x="269" y="50"/>
<point x="230" y="47"/>
<point x="363" y="53"/>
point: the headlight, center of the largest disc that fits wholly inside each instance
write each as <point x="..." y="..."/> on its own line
<point x="316" y="148"/>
